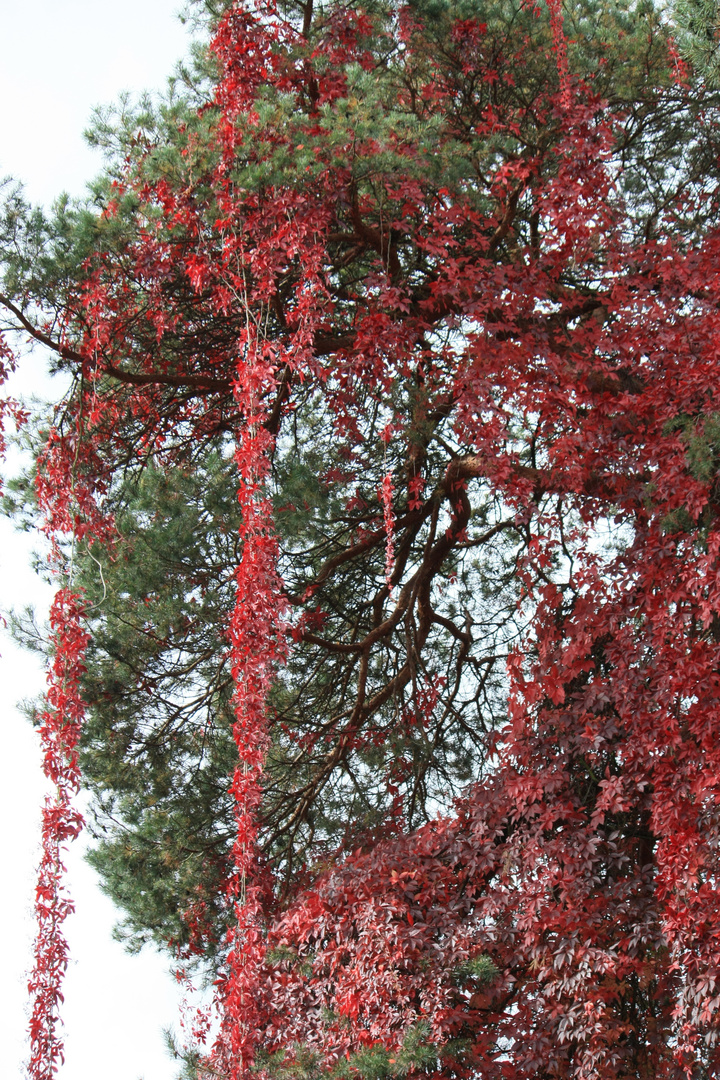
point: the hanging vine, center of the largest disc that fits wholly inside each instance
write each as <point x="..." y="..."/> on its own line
<point x="62" y="822"/>
<point x="257" y="647"/>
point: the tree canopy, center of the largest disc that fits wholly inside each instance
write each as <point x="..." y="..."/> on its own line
<point x="385" y="511"/>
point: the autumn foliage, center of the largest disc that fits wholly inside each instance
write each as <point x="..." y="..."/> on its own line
<point x="61" y="823"/>
<point x="446" y="234"/>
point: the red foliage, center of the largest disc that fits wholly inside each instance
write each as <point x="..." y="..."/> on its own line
<point x="67" y="488"/>
<point x="257" y="646"/>
<point x="61" y="823"/>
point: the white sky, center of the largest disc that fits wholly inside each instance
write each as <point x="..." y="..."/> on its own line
<point x="59" y="59"/>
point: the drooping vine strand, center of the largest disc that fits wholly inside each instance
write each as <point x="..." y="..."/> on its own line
<point x="385" y="495"/>
<point x="386" y="498"/>
<point x="560" y="49"/>
<point x="67" y="501"/>
<point x="61" y="823"/>
<point x="257" y="646"/>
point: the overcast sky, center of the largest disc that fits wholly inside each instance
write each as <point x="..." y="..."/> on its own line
<point x="59" y="59"/>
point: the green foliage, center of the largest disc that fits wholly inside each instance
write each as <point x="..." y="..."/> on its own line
<point x="283" y="955"/>
<point x="481" y="969"/>
<point x="699" y="36"/>
<point x="701" y="436"/>
<point x="703" y="446"/>
<point x="157" y="748"/>
<point x="191" y="1067"/>
<point x="300" y="1064"/>
<point x="416" y="1055"/>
